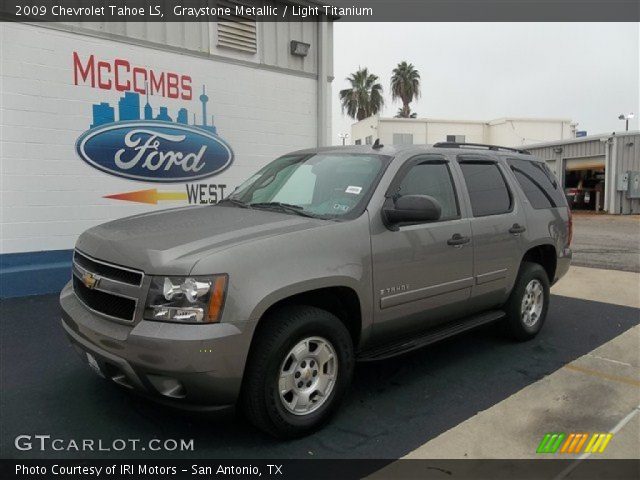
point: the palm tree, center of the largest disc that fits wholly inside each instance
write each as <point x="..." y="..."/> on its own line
<point x="364" y="97"/>
<point x="403" y="114"/>
<point x="405" y="85"/>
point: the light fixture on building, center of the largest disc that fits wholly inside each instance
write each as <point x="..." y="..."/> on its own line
<point x="626" y="119"/>
<point x="299" y="49"/>
<point x="343" y="137"/>
<point x="557" y="149"/>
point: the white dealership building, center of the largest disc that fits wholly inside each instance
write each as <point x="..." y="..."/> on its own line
<point x="508" y="132"/>
<point x="104" y="120"/>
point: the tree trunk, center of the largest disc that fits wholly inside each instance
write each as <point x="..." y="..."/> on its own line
<point x="405" y="109"/>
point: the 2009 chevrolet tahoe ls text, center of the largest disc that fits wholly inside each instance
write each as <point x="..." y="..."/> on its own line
<point x="322" y="258"/>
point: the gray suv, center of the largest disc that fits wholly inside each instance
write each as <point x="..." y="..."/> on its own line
<point x="322" y="258"/>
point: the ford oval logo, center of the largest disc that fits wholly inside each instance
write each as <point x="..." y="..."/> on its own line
<point x="154" y="151"/>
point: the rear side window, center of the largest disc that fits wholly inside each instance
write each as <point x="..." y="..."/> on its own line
<point x="487" y="188"/>
<point x="538" y="183"/>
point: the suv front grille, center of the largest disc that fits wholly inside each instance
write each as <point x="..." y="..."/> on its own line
<point x="104" y="270"/>
<point x="106" y="288"/>
<point x="105" y="303"/>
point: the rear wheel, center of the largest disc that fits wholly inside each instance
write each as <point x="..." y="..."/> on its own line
<point x="298" y="371"/>
<point x="528" y="303"/>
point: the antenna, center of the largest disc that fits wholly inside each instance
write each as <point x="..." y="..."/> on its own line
<point x="377" y="145"/>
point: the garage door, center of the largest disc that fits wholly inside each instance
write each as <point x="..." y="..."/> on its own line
<point x="584" y="163"/>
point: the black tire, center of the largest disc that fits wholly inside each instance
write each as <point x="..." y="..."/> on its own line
<point x="274" y="338"/>
<point x="516" y="324"/>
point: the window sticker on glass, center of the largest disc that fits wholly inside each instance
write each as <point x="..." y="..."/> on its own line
<point x="353" y="189"/>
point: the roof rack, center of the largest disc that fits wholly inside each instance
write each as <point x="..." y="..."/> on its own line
<point x="481" y="145"/>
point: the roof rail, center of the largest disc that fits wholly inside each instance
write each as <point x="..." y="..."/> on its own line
<point x="481" y="145"/>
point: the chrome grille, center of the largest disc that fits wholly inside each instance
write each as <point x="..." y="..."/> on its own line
<point x="120" y="274"/>
<point x="105" y="288"/>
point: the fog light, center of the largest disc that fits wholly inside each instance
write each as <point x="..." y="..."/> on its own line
<point x="167" y="386"/>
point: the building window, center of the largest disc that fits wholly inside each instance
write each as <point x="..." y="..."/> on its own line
<point x="236" y="31"/>
<point x="456" y="138"/>
<point x="368" y="140"/>
<point x="358" y="142"/>
<point x="403" y="139"/>
<point x="487" y="188"/>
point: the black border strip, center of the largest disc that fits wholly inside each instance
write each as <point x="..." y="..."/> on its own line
<point x="352" y="10"/>
<point x="537" y="469"/>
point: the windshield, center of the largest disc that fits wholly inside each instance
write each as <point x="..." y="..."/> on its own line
<point x="323" y="185"/>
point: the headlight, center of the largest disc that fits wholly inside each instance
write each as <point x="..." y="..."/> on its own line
<point x="186" y="299"/>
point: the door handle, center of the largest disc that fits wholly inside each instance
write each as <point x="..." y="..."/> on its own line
<point x="458" y="240"/>
<point x="517" y="229"/>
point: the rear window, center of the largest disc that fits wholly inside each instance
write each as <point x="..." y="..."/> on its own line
<point x="538" y="183"/>
<point x="487" y="188"/>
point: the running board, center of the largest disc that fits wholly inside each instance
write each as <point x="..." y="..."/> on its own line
<point x="432" y="336"/>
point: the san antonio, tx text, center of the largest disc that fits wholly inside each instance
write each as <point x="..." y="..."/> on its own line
<point x="117" y="470"/>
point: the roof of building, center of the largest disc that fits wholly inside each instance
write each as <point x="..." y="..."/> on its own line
<point x="482" y="122"/>
<point x="588" y="138"/>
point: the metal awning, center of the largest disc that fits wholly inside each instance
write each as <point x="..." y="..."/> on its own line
<point x="585" y="163"/>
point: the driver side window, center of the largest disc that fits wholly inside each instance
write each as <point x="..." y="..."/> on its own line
<point x="433" y="179"/>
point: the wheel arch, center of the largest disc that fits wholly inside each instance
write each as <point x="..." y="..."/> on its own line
<point x="545" y="255"/>
<point x="340" y="300"/>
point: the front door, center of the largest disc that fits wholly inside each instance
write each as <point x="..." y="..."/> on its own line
<point x="422" y="273"/>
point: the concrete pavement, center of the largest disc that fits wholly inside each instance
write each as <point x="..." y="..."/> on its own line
<point x="607" y="286"/>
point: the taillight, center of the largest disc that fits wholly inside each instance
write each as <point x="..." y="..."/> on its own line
<point x="569" y="227"/>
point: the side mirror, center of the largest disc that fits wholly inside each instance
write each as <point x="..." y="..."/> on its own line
<point x="413" y="208"/>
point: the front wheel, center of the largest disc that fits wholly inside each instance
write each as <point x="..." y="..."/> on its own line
<point x="528" y="303"/>
<point x="298" y="371"/>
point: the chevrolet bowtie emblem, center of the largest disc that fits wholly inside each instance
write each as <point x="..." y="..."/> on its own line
<point x="90" y="280"/>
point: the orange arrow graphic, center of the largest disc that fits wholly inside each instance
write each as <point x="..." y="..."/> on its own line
<point x="151" y="196"/>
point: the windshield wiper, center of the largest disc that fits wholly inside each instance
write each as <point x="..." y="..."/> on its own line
<point x="276" y="204"/>
<point x="234" y="201"/>
<point x="285" y="207"/>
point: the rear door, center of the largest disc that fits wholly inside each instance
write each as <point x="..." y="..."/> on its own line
<point x="497" y="223"/>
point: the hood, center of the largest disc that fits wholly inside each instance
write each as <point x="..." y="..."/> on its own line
<point x="171" y="241"/>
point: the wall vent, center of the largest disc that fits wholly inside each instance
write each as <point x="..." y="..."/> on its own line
<point x="236" y="31"/>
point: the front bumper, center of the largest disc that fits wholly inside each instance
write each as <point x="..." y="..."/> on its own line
<point x="183" y="365"/>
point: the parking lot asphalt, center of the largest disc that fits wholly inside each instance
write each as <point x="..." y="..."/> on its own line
<point x="606" y="241"/>
<point x="393" y="407"/>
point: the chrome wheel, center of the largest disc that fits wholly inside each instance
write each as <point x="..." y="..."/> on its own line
<point x="308" y="375"/>
<point x="532" y="303"/>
